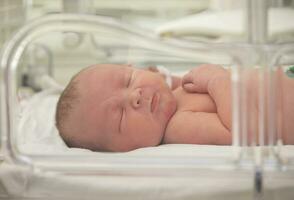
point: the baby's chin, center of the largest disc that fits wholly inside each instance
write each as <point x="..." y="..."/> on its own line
<point x="172" y="109"/>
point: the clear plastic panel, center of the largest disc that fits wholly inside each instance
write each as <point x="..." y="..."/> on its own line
<point x="127" y="44"/>
<point x="172" y="35"/>
<point x="266" y="111"/>
<point x="281" y="124"/>
<point x="256" y="96"/>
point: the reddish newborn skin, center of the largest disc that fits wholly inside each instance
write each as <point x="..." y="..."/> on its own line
<point x="204" y="108"/>
<point x="215" y="81"/>
<point x="121" y="108"/>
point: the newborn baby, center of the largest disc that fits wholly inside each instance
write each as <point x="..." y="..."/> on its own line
<point x="120" y="108"/>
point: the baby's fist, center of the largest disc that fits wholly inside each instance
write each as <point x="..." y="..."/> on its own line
<point x="197" y="79"/>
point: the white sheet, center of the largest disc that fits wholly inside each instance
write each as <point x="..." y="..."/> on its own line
<point x="36" y="130"/>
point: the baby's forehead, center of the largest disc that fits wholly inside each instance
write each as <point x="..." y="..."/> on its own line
<point x="106" y="74"/>
<point x="99" y="83"/>
<point x="95" y="98"/>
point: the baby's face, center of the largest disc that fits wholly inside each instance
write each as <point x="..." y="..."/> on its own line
<point x="122" y="108"/>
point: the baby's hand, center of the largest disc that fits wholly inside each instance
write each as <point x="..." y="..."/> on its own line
<point x="198" y="78"/>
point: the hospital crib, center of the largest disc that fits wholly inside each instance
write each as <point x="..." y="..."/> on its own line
<point x="37" y="164"/>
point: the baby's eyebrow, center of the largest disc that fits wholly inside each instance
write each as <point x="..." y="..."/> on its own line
<point x="125" y="77"/>
<point x="121" y="77"/>
<point x="130" y="78"/>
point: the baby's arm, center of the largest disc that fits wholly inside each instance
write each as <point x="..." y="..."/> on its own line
<point x="189" y="127"/>
<point x="215" y="81"/>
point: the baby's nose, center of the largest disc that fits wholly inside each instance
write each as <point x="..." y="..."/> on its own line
<point x="136" y="98"/>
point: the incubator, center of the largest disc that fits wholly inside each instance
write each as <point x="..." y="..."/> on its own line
<point x="38" y="61"/>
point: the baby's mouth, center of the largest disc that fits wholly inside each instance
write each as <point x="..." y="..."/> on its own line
<point x="154" y="101"/>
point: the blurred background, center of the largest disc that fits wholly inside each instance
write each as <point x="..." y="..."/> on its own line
<point x="216" y="21"/>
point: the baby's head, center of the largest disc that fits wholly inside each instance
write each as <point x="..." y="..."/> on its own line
<point x="114" y="108"/>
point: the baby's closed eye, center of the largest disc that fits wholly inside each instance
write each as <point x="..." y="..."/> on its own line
<point x="129" y="79"/>
<point x="122" y="115"/>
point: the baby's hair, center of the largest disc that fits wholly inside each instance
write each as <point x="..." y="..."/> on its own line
<point x="65" y="106"/>
<point x="65" y="111"/>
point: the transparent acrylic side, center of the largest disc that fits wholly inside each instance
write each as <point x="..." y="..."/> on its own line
<point x="266" y="107"/>
<point x="201" y="52"/>
<point x="281" y="116"/>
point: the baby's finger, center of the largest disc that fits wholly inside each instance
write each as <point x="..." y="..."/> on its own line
<point x="188" y="78"/>
<point x="190" y="87"/>
<point x="188" y="83"/>
<point x="193" y="83"/>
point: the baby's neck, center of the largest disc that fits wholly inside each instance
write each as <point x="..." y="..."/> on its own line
<point x="187" y="103"/>
<point x="170" y="121"/>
